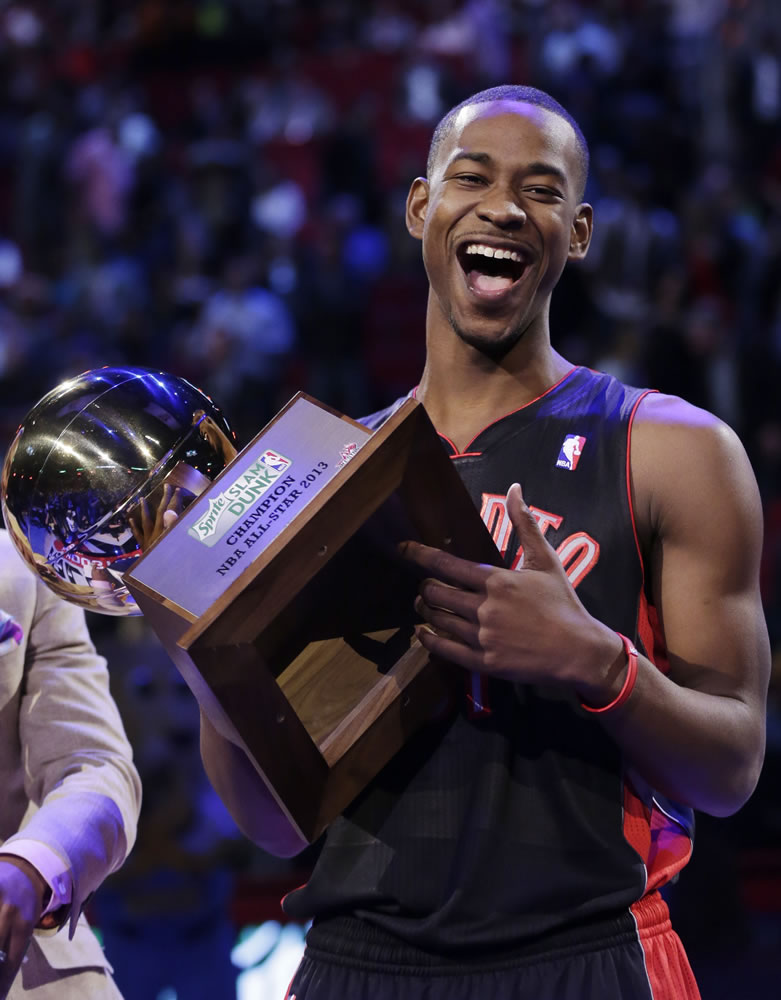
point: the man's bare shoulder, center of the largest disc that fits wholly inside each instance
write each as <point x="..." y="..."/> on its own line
<point x="663" y="411"/>
<point x="684" y="458"/>
<point x="669" y="430"/>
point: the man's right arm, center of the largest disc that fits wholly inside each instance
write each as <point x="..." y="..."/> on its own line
<point x="246" y="796"/>
<point x="231" y="773"/>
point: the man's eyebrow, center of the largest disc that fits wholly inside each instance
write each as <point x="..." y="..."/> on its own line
<point x="474" y="157"/>
<point x="547" y="169"/>
<point x="533" y="169"/>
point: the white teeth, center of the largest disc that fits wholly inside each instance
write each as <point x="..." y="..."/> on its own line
<point x="485" y="251"/>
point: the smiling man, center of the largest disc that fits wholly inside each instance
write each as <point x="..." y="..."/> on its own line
<point x="497" y="229"/>
<point x="615" y="669"/>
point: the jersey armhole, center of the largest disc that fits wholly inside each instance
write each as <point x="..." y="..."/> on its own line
<point x="649" y="630"/>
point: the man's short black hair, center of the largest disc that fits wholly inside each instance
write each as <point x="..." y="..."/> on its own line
<point x="512" y="92"/>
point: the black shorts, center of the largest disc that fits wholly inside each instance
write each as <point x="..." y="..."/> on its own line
<point x="647" y="963"/>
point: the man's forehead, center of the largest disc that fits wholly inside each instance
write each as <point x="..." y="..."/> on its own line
<point x="503" y="106"/>
<point x="557" y="131"/>
<point x="543" y="118"/>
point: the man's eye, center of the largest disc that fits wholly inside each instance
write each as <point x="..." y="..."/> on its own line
<point x="544" y="192"/>
<point x="471" y="178"/>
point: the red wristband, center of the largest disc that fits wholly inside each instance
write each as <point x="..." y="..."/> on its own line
<point x="629" y="683"/>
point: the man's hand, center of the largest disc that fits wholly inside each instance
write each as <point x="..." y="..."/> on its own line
<point x="147" y="524"/>
<point x="215" y="436"/>
<point x="22" y="891"/>
<point x="524" y="625"/>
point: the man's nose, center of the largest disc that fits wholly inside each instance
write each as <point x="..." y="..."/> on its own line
<point x="503" y="211"/>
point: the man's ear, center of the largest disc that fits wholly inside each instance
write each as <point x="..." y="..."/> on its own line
<point x="417" y="205"/>
<point x="580" y="237"/>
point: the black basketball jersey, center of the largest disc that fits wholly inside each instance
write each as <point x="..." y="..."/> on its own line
<point x="516" y="817"/>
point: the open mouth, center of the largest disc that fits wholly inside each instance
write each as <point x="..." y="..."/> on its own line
<point x="491" y="270"/>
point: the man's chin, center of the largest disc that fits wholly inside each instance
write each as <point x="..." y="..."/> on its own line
<point x="495" y="345"/>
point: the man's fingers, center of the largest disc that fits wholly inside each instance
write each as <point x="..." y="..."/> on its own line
<point x="444" y="622"/>
<point x="459" y="602"/>
<point x="154" y="523"/>
<point x="443" y="566"/>
<point x="536" y="551"/>
<point x="162" y="507"/>
<point x="169" y="517"/>
<point x="448" y="649"/>
<point x="147" y="521"/>
<point x="17" y="946"/>
<point x="177" y="502"/>
<point x="136" y="529"/>
<point x="16" y="939"/>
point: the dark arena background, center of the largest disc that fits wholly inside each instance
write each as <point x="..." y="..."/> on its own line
<point x="217" y="187"/>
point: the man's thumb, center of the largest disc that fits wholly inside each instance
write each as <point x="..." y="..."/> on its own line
<point x="536" y="551"/>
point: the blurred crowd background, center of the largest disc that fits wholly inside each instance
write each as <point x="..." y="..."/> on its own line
<point x="217" y="188"/>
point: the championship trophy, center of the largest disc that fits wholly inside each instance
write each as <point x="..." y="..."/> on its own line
<point x="277" y="591"/>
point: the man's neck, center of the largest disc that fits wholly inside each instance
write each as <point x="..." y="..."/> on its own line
<point x="464" y="393"/>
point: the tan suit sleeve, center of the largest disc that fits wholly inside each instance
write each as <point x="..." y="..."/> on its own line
<point x="78" y="774"/>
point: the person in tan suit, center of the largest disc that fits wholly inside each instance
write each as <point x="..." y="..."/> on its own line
<point x="71" y="794"/>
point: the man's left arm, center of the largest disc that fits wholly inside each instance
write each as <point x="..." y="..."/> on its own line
<point x="696" y="733"/>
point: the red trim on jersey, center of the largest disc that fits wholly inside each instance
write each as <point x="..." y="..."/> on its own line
<point x="637" y="822"/>
<point x="629" y="476"/>
<point x="446" y="438"/>
<point x="295" y="889"/>
<point x="669" y="974"/>
<point x="463" y="454"/>
<point x="662" y="844"/>
<point x="671" y="849"/>
<point x="649" y="628"/>
<point x="650" y="634"/>
<point x="478" y="698"/>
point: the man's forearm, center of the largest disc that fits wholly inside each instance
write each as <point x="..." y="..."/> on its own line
<point x="701" y="749"/>
<point x="246" y="796"/>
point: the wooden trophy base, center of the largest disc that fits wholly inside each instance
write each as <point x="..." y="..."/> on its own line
<point x="294" y="625"/>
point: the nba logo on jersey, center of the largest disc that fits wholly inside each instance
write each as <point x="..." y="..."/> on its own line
<point x="571" y="449"/>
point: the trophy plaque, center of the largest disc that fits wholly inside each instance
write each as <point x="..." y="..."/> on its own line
<point x="280" y="595"/>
